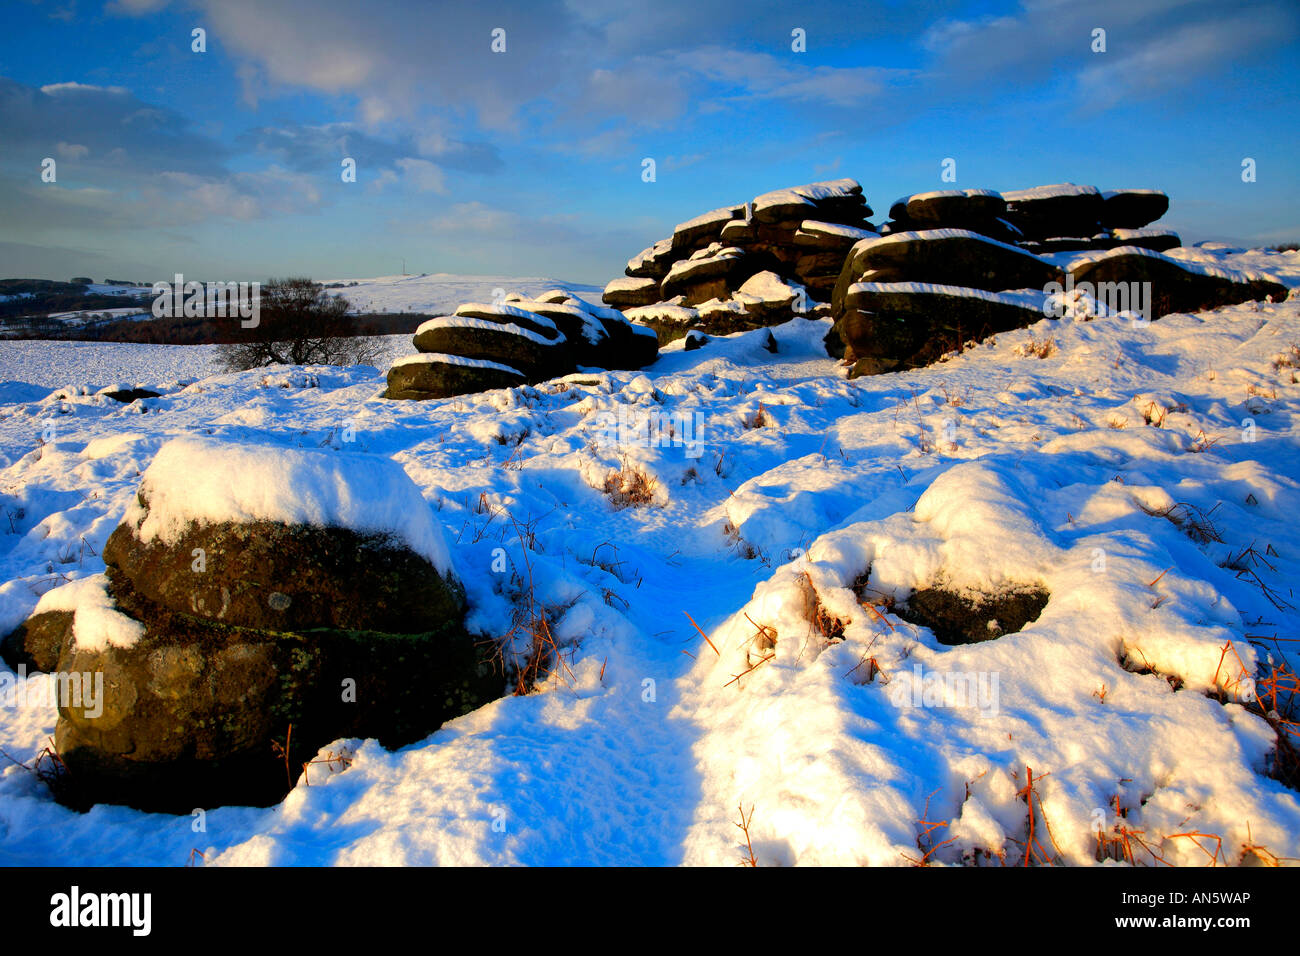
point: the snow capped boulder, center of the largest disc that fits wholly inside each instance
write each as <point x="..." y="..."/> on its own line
<point x="251" y="589"/>
<point x="508" y="314"/>
<point x="288" y="538"/>
<point x="425" y="376"/>
<point x="957" y="208"/>
<point x="587" y="337"/>
<point x="517" y="342"/>
<point x="955" y="257"/>
<point x="653" y="262"/>
<point x="1175" y="286"/>
<point x="1046" y="212"/>
<point x="630" y="291"/>
<point x="531" y="353"/>
<point x="1132" y="208"/>
<point x="702" y="230"/>
<point x="800" y="235"/>
<point x="829" y="235"/>
<point x="888" y="326"/>
<point x="1157" y="240"/>
<point x="838" y="200"/>
<point x="705" y="274"/>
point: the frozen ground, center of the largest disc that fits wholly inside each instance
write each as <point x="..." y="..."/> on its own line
<point x="994" y="468"/>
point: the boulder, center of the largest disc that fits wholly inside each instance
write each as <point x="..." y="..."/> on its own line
<point x="653" y="262"/>
<point x="838" y="201"/>
<point x="630" y="291"/>
<point x="956" y="208"/>
<point x="952" y="257"/>
<point x="507" y="314"/>
<point x="886" y="326"/>
<point x="37" y="643"/>
<point x="1047" y="212"/>
<point x="702" y="230"/>
<point x="1132" y="208"/>
<point x="528" y="352"/>
<point x="667" y="320"/>
<point x="1175" y="286"/>
<point x="700" y="276"/>
<point x="280" y="577"/>
<point x="196" y="713"/>
<point x="588" y="339"/>
<point x="631" y="346"/>
<point x="1157" y="240"/>
<point x="260" y="597"/>
<point x="829" y="236"/>
<point x="425" y="376"/>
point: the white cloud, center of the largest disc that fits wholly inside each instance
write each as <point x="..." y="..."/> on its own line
<point x="423" y="175"/>
<point x="72" y="151"/>
<point x="57" y="89"/>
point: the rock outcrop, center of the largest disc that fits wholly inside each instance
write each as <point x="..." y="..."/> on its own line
<point x="520" y="341"/>
<point x="746" y="266"/>
<point x="258" y="604"/>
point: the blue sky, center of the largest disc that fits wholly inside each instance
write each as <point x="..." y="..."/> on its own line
<point x="226" y="164"/>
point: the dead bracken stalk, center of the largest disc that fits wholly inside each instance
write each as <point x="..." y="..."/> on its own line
<point x="749" y="858"/>
<point x="1035" y="852"/>
<point x="630" y="486"/>
<point x="925" y="828"/>
<point x="543" y="649"/>
<point x="1037" y="348"/>
<point x="702" y="634"/>
<point x="760" y="419"/>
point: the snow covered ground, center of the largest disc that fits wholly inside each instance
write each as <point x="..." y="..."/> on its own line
<point x="440" y="293"/>
<point x="996" y="467"/>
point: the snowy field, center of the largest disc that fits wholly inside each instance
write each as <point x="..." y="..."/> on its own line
<point x="1132" y="472"/>
<point x="439" y="293"/>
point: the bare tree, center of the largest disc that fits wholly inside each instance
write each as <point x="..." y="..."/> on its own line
<point x="299" y="324"/>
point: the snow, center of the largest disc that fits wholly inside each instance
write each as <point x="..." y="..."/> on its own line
<point x="811" y="194"/>
<point x="1147" y="233"/>
<point x="475" y="309"/>
<point x="631" y="284"/>
<point x="718" y="217"/>
<point x="96" y="624"/>
<point x="1124" y="192"/>
<point x="933" y="235"/>
<point x="464" y="322"/>
<point x="438" y="358"/>
<point x="768" y="287"/>
<point x="592" y="330"/>
<point x="201" y="481"/>
<point x="1025" y="298"/>
<point x="812" y="228"/>
<point x="1049" y="192"/>
<point x="662" y="247"/>
<point x="439" y="293"/>
<point x="1191" y="265"/>
<point x="684" y="268"/>
<point x="946" y="194"/>
<point x="663" y="312"/>
<point x="992" y="468"/>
